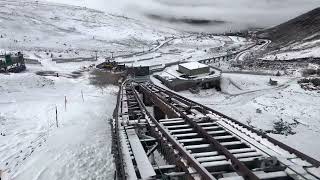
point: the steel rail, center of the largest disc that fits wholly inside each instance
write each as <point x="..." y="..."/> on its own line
<point x="121" y="173"/>
<point x="239" y="167"/>
<point x="291" y="150"/>
<point x="204" y="173"/>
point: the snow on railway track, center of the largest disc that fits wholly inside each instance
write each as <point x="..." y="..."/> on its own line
<point x="198" y="142"/>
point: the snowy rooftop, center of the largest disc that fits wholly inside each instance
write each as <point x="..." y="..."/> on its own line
<point x="172" y="72"/>
<point x="193" y="65"/>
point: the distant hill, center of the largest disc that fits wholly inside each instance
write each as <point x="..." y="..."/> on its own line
<point x="302" y="29"/>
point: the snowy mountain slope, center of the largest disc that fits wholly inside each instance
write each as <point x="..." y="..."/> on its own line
<point x="30" y="25"/>
<point x="204" y="15"/>
<point x="52" y="30"/>
<point x="297" y="38"/>
<point x="302" y="29"/>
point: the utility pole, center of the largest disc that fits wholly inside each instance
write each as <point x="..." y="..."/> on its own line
<point x="96" y="55"/>
<point x="112" y="54"/>
<point x="65" y="103"/>
<point x="82" y="96"/>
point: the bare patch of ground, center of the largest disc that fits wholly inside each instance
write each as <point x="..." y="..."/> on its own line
<point x="310" y="84"/>
<point x="74" y="74"/>
<point x="101" y="78"/>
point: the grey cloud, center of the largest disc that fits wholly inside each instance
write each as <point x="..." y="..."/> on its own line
<point x="239" y="14"/>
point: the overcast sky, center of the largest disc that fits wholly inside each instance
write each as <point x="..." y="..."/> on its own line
<point x="239" y="13"/>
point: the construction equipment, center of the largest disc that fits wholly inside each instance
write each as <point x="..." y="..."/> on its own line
<point x="12" y="63"/>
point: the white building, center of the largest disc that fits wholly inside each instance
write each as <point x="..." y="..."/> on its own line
<point x="193" y="68"/>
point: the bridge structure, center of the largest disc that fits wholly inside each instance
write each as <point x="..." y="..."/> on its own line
<point x="159" y="134"/>
<point x="218" y="58"/>
<point x="236" y="55"/>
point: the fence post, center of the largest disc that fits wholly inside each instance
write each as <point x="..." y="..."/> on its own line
<point x="57" y="117"/>
<point x="65" y="103"/>
<point x="82" y="96"/>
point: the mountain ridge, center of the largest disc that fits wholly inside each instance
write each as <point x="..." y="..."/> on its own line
<point x="302" y="29"/>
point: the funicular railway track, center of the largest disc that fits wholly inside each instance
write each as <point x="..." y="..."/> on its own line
<point x="201" y="143"/>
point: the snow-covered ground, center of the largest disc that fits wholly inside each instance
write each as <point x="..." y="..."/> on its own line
<point x="306" y="49"/>
<point x="30" y="143"/>
<point x="294" y="54"/>
<point x="235" y="84"/>
<point x="244" y="95"/>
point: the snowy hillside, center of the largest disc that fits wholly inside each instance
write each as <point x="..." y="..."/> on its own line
<point x="297" y="38"/>
<point x="44" y="30"/>
<point x="28" y="25"/>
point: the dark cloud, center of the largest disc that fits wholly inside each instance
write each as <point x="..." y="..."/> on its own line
<point x="238" y="14"/>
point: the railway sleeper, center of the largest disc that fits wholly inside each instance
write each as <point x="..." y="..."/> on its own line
<point x="175" y="127"/>
<point x="133" y="108"/>
<point x="279" y="175"/>
<point x="186" y="135"/>
<point x="172" y="119"/>
<point x="197" y="141"/>
<point x="205" y="154"/>
<point x="215" y="166"/>
<point x="135" y="116"/>
<point x="199" y="146"/>
<point x="173" y="122"/>
<point x="223" y="137"/>
<point x="178" y="131"/>
<point x="215" y="153"/>
<point x="223" y="165"/>
<point x="212" y="158"/>
<point x="185" y="141"/>
<point x="222" y="157"/>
